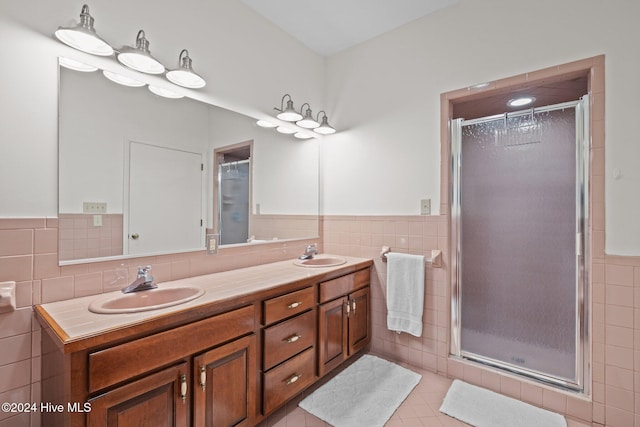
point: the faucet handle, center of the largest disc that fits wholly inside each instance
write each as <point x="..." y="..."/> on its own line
<point x="143" y="271"/>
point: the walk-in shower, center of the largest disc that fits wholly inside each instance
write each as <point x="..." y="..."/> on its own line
<point x="519" y="214"/>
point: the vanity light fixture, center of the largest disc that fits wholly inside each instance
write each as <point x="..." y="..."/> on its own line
<point x="122" y="79"/>
<point x="521" y="101"/>
<point x="72" y="64"/>
<point x="288" y="114"/>
<point x="139" y="58"/>
<point x="166" y="93"/>
<point x="185" y="76"/>
<point x="83" y="36"/>
<point x="324" y="128"/>
<point x="307" y="121"/>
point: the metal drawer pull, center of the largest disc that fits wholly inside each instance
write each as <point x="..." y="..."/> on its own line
<point x="292" y="338"/>
<point x="293" y="379"/>
<point x="294" y="305"/>
<point x="203" y="378"/>
<point x="353" y="304"/>
<point x="183" y="387"/>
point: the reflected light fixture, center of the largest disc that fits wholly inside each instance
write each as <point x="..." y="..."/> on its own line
<point x="72" y="64"/>
<point x="266" y="124"/>
<point x="307" y="121"/>
<point x="83" y="36"/>
<point x="288" y="114"/>
<point x="301" y="135"/>
<point x="521" y="101"/>
<point x="122" y="79"/>
<point x="286" y="130"/>
<point x="324" y="128"/>
<point x="184" y="75"/>
<point x="139" y="58"/>
<point x="166" y="93"/>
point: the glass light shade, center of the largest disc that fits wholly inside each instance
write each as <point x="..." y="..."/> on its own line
<point x="122" y="79"/>
<point x="324" y="127"/>
<point x="307" y="121"/>
<point x="185" y="76"/>
<point x="285" y="130"/>
<point x="289" y="114"/>
<point x="139" y="58"/>
<point x="83" y="36"/>
<point x="266" y="124"/>
<point x="301" y="135"/>
<point x="72" y="64"/>
<point x="166" y="93"/>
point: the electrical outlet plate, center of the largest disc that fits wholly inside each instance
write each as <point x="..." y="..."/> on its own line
<point x="425" y="207"/>
<point x="212" y="244"/>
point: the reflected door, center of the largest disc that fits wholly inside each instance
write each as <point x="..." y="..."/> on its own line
<point x="165" y="199"/>
<point x="520" y="208"/>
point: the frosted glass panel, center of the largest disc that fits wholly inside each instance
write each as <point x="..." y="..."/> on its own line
<point x="518" y="237"/>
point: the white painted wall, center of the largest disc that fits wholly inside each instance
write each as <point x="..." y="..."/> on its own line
<point x="383" y="96"/>
<point x="241" y="55"/>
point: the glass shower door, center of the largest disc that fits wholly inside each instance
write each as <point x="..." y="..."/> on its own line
<point x="519" y="212"/>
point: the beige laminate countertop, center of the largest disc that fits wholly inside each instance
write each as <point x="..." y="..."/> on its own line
<point x="75" y="321"/>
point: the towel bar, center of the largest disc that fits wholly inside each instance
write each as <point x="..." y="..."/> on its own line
<point x="435" y="260"/>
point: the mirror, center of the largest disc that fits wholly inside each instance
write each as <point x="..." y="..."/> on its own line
<point x="139" y="174"/>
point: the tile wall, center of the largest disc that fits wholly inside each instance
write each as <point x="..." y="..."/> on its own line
<point x="81" y="238"/>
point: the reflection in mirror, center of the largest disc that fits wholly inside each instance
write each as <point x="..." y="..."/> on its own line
<point x="136" y="174"/>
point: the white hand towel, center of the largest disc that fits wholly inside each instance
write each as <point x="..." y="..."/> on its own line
<point x="405" y="292"/>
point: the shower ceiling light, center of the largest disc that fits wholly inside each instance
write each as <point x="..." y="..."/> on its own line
<point x="83" y="36"/>
<point x="139" y="58"/>
<point x="520" y="102"/>
<point x="185" y="76"/>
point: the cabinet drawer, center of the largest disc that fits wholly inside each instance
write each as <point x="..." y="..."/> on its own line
<point x="287" y="380"/>
<point x="288" y="338"/>
<point x="343" y="285"/>
<point x="124" y="361"/>
<point x="288" y="305"/>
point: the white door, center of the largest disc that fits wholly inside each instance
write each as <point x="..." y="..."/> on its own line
<point x="165" y="199"/>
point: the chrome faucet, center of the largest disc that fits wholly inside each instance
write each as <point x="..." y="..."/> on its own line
<point x="143" y="282"/>
<point x="309" y="251"/>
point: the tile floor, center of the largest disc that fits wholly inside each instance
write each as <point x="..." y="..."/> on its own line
<point x="420" y="409"/>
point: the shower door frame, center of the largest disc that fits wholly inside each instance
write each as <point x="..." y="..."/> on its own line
<point x="583" y="240"/>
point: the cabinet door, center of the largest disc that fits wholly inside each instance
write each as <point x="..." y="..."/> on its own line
<point x="225" y="385"/>
<point x="359" y="320"/>
<point x="157" y="400"/>
<point x="332" y="332"/>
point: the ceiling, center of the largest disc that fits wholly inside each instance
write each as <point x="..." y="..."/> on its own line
<point x="330" y="26"/>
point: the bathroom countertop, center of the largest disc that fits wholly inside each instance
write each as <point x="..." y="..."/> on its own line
<point x="72" y="321"/>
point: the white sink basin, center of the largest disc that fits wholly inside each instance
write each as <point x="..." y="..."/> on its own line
<point x="320" y="261"/>
<point x="152" y="299"/>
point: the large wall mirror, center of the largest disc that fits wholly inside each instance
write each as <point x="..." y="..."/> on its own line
<point x="140" y="174"/>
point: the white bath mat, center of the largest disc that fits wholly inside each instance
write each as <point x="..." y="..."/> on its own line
<point x="484" y="408"/>
<point x="365" y="394"/>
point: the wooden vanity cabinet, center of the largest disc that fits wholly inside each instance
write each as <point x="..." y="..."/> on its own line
<point x="344" y="323"/>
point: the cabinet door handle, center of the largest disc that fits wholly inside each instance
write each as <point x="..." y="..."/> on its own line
<point x="353" y="305"/>
<point x="294" y="305"/>
<point x="183" y="388"/>
<point x="292" y="379"/>
<point x="203" y="378"/>
<point x="348" y="308"/>
<point x="292" y="338"/>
